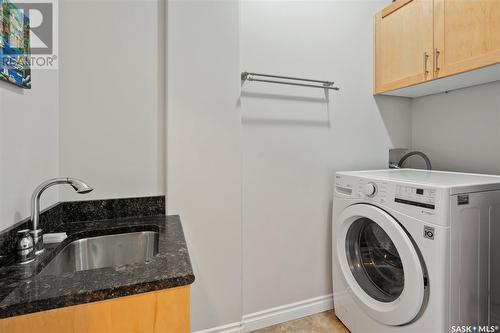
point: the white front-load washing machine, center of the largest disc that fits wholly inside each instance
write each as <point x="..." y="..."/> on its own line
<point x="415" y="251"/>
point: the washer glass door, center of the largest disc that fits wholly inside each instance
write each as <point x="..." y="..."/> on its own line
<point x="380" y="264"/>
<point x="374" y="260"/>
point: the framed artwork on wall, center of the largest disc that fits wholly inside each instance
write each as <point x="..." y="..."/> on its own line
<point x="14" y="45"/>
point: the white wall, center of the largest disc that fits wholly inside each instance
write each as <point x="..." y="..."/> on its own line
<point x="460" y="130"/>
<point x="100" y="117"/>
<point x="204" y="151"/>
<point x="112" y="112"/>
<point x="274" y="149"/>
<point x="294" y="139"/>
<point x="29" y="141"/>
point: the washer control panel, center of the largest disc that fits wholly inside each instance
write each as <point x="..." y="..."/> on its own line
<point x="421" y="201"/>
<point x="416" y="196"/>
<point x="388" y="192"/>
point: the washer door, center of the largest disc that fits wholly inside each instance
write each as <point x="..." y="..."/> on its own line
<point x="380" y="264"/>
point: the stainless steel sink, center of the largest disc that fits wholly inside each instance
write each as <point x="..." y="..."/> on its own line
<point x="104" y="251"/>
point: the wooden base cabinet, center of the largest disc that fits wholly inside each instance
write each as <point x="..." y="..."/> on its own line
<point x="417" y="41"/>
<point x="165" y="311"/>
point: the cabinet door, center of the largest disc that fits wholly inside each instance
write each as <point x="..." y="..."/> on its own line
<point x="467" y="35"/>
<point x="403" y="44"/>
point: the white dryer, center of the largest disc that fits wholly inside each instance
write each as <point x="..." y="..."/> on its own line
<point x="415" y="251"/>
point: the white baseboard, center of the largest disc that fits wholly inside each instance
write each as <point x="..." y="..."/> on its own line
<point x="229" y="328"/>
<point x="288" y="312"/>
<point x="277" y="315"/>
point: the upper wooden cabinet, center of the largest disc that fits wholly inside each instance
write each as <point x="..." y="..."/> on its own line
<point x="403" y="44"/>
<point x="466" y="34"/>
<point x="418" y="41"/>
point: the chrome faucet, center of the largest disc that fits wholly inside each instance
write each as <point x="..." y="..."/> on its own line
<point x="78" y="185"/>
<point x="412" y="153"/>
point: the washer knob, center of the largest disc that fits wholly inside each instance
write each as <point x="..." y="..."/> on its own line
<point x="370" y="189"/>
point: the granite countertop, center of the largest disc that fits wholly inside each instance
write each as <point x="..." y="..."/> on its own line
<point x="24" y="292"/>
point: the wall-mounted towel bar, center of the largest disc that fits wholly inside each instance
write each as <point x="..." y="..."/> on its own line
<point x="247" y="76"/>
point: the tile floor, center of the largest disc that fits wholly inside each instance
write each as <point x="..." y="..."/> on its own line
<point x="324" y="322"/>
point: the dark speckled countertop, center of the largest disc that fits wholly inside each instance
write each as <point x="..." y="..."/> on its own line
<point x="23" y="292"/>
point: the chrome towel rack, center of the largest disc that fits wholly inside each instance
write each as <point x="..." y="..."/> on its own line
<point x="247" y="76"/>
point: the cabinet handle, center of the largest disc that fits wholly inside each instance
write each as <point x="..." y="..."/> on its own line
<point x="426" y="57"/>
<point x="436" y="62"/>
